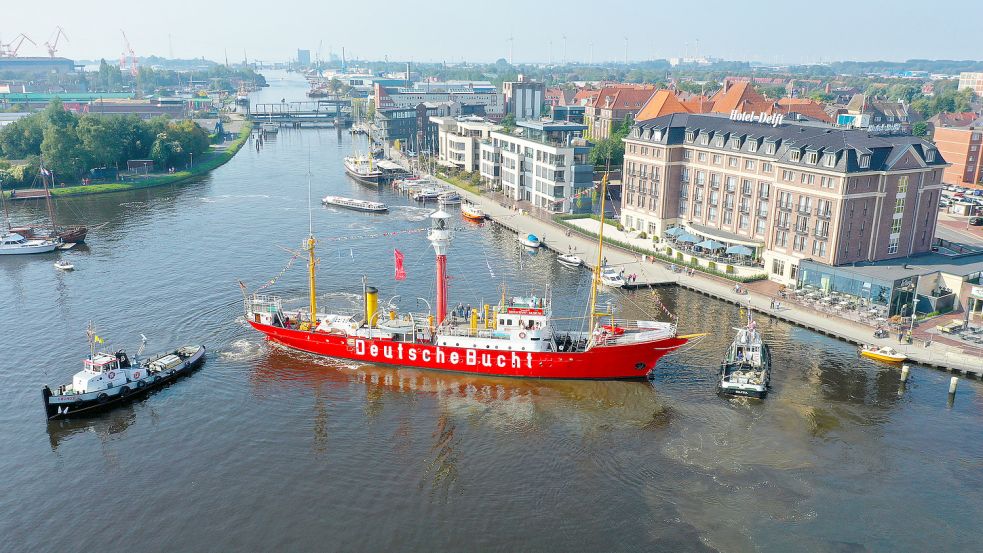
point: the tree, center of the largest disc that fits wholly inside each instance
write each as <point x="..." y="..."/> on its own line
<point x="508" y="123"/>
<point x="61" y="149"/>
<point x="22" y="138"/>
<point x="919" y="129"/>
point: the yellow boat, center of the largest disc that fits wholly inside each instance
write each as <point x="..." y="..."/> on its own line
<point x="886" y="354"/>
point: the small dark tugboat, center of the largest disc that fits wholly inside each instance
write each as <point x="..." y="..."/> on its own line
<point x="746" y="371"/>
<point x="111" y="379"/>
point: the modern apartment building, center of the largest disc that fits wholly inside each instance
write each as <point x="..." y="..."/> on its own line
<point x="962" y="147"/>
<point x="524" y="98"/>
<point x="787" y="191"/>
<point x="541" y="162"/>
<point x="972" y="81"/>
<point x="458" y="139"/>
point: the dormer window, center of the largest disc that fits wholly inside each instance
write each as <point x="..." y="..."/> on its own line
<point x="690" y="136"/>
<point x="735" y="143"/>
<point x="812" y="158"/>
<point x="657" y="136"/>
<point x="829" y="160"/>
<point x="794" y="155"/>
<point x="930" y="155"/>
<point x="705" y="139"/>
<point x="865" y="161"/>
<point x="770" y="148"/>
<point x="753" y="146"/>
<point x="719" y="142"/>
<point x="636" y="132"/>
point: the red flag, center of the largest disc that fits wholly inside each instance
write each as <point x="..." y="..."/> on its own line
<point x="400" y="273"/>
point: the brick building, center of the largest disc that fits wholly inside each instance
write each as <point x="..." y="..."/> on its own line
<point x="786" y="191"/>
<point x="963" y="148"/>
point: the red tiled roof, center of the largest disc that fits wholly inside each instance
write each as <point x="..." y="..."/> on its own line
<point x="805" y="106"/>
<point x="742" y="97"/>
<point x="632" y="99"/>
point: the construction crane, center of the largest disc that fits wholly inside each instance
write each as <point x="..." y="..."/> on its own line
<point x="128" y="51"/>
<point x="10" y="49"/>
<point x="52" y="44"/>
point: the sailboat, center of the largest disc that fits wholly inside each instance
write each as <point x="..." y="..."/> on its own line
<point x="72" y="234"/>
<point x="516" y="338"/>
<point x="13" y="243"/>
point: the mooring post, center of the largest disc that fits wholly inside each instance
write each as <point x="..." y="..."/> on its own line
<point x="904" y="373"/>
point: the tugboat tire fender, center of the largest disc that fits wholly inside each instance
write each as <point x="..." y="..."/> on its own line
<point x="102" y="397"/>
<point x="140" y="384"/>
<point x="124" y="391"/>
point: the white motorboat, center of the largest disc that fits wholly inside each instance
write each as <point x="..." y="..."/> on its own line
<point x="356" y="204"/>
<point x="569" y="260"/>
<point x="13" y="244"/>
<point x="449" y="198"/>
<point x="269" y="128"/>
<point x="64" y="265"/>
<point x="746" y="371"/>
<point x="612" y="278"/>
<point x="427" y="194"/>
<point x="529" y="240"/>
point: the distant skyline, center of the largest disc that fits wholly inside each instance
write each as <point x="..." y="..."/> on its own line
<point x="429" y="31"/>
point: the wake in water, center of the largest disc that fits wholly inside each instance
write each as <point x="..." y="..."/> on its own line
<point x="411" y="213"/>
<point x="242" y="349"/>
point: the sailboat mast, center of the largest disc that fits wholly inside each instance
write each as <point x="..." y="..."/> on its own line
<point x="311" y="260"/>
<point x="596" y="281"/>
<point x="47" y="200"/>
<point x="6" y="214"/>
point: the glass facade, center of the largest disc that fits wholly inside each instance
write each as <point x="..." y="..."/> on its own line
<point x="893" y="294"/>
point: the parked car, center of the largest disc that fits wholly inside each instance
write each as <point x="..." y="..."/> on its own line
<point x="976" y="221"/>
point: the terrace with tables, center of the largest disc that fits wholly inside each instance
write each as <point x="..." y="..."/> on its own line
<point x="713" y="248"/>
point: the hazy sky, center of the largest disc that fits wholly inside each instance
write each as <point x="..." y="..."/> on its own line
<point x="427" y="30"/>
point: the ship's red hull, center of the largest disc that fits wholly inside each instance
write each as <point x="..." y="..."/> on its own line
<point x="623" y="361"/>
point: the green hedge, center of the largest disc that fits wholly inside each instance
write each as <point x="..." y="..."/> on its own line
<point x="563" y="220"/>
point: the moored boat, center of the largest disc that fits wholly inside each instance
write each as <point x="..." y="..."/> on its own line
<point x="362" y="169"/>
<point x="746" y="370"/>
<point x="449" y="197"/>
<point x="110" y="379"/>
<point x="63" y="265"/>
<point x="472" y="212"/>
<point x="427" y="194"/>
<point x="518" y="337"/>
<point x="529" y="240"/>
<point x="611" y="277"/>
<point x="569" y="259"/>
<point x="13" y="244"/>
<point x="356" y="204"/>
<point x="886" y="354"/>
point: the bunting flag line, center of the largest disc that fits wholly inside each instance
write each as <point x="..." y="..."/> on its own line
<point x="576" y="196"/>
<point x="273" y="280"/>
<point x="400" y="272"/>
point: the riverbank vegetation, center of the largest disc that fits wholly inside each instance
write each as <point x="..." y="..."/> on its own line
<point x="71" y="145"/>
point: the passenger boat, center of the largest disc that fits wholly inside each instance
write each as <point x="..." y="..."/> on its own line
<point x="746" y="371"/>
<point x="529" y="240"/>
<point x="518" y="337"/>
<point x="611" y="277"/>
<point x="886" y="353"/>
<point x="472" y="212"/>
<point x="569" y="260"/>
<point x="356" y="204"/>
<point x="362" y="169"/>
<point x="63" y="265"/>
<point x="110" y="379"/>
<point x="449" y="198"/>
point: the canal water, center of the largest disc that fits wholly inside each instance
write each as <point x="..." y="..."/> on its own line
<point x="269" y="449"/>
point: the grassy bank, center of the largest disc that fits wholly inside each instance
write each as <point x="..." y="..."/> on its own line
<point x="459" y="182"/>
<point x="564" y="220"/>
<point x="211" y="161"/>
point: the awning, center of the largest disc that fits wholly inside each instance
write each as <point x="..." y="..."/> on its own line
<point x="711" y="245"/>
<point x="675" y="231"/>
<point x="739" y="250"/>
<point x="688" y="238"/>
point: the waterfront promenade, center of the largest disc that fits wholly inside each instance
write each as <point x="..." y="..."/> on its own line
<point x="656" y="273"/>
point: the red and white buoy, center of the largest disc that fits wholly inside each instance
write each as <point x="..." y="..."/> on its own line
<point x="440" y="238"/>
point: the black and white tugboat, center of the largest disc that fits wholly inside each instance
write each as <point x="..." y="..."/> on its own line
<point x="746" y="371"/>
<point x="110" y="379"/>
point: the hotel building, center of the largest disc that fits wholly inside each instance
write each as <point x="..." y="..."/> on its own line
<point x="791" y="193"/>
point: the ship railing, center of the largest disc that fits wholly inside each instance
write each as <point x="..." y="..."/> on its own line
<point x="637" y="332"/>
<point x="263" y="303"/>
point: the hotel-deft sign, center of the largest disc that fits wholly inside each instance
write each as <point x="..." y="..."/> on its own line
<point x="774" y="119"/>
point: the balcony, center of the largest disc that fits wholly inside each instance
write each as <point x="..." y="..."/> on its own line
<point x="785" y="207"/>
<point x="804" y="210"/>
<point x="823" y="214"/>
<point x="821" y="235"/>
<point x="802" y="230"/>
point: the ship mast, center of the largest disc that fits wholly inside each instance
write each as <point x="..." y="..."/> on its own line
<point x="596" y="280"/>
<point x="6" y="214"/>
<point x="311" y="260"/>
<point x="47" y="199"/>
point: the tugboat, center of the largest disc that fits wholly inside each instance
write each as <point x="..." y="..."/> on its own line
<point x="472" y="212"/>
<point x="516" y="338"/>
<point x="746" y="371"/>
<point x="110" y="379"/>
